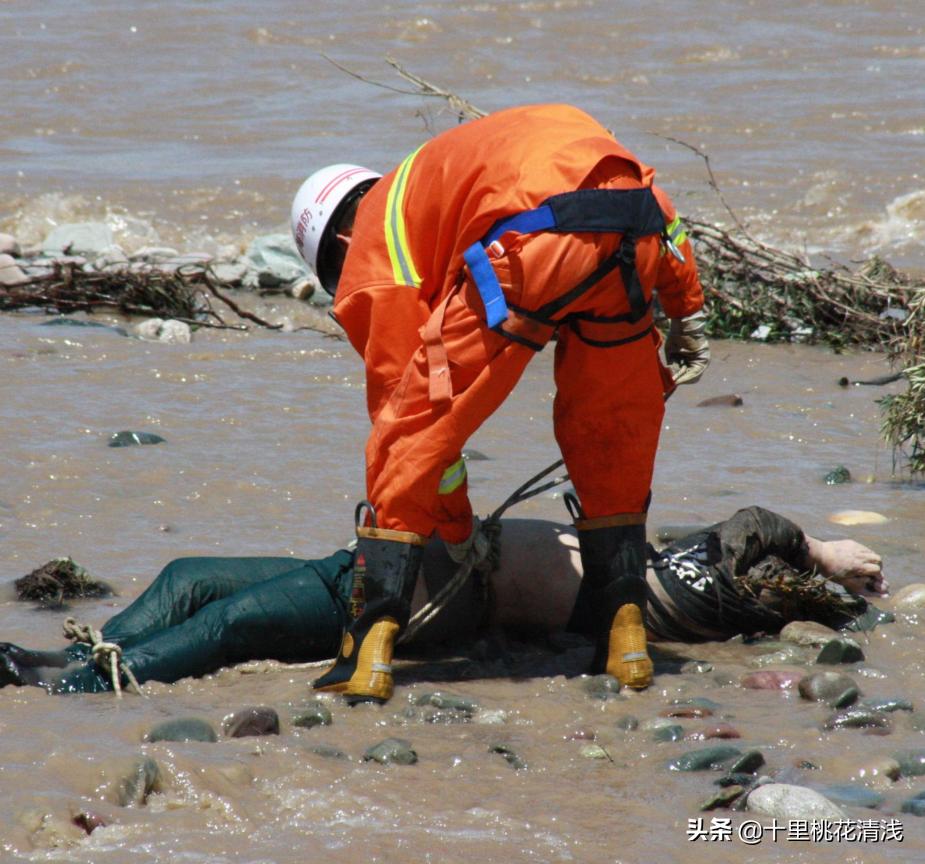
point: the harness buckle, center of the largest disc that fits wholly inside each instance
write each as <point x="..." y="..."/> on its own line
<point x="494" y="249"/>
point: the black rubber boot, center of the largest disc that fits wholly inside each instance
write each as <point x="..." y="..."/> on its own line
<point x="611" y="604"/>
<point x="385" y="569"/>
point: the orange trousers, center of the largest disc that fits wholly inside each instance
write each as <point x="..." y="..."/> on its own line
<point x="607" y="415"/>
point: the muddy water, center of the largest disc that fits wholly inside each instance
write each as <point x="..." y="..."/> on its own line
<point x="260" y="429"/>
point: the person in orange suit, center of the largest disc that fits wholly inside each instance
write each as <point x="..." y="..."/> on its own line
<point x="448" y="275"/>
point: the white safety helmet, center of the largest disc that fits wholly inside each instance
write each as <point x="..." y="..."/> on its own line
<point x="316" y="209"/>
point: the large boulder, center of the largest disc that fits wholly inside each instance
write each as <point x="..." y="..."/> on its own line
<point x="78" y="238"/>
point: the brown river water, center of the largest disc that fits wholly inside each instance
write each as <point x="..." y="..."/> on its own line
<point x="192" y="124"/>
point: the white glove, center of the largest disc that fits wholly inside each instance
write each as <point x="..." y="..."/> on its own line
<point x="687" y="351"/>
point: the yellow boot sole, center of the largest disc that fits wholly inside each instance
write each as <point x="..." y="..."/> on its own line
<point x="371" y="677"/>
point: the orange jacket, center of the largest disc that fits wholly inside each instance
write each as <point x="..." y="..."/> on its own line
<point x="414" y="225"/>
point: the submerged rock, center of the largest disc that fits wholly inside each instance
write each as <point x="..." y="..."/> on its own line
<point x="11" y="274"/>
<point x="841" y="650"/>
<point x="784" y="801"/>
<point x="602" y="687"/>
<point x="809" y="633"/>
<point x="396" y="751"/>
<point x="783" y="657"/>
<point x="88" y="820"/>
<point x="141" y="780"/>
<point x="448" y="702"/>
<point x="723" y="798"/>
<point x="837" y="476"/>
<point x="58" y="580"/>
<point x="857" y="718"/>
<point x="329" y="752"/>
<point x="879" y="773"/>
<point x="748" y="763"/>
<point x="771" y="679"/>
<point x="594" y="751"/>
<point x="720" y="730"/>
<point x="75" y="322"/>
<point x="887" y="705"/>
<point x="696" y="667"/>
<point x="274" y="261"/>
<point x="628" y="723"/>
<point x="668" y="733"/>
<point x="706" y="759"/>
<point x="910" y="598"/>
<point x="911" y="762"/>
<point x="914" y="805"/>
<point x="509" y="755"/>
<point x="259" y="720"/>
<point x="826" y="686"/>
<point x="852" y="796"/>
<point x="182" y="729"/>
<point x="316" y="715"/>
<point x="732" y="400"/>
<point x="126" y="438"/>
<point x="169" y="331"/>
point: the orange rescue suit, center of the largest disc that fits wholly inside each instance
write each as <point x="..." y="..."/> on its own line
<point x="404" y="280"/>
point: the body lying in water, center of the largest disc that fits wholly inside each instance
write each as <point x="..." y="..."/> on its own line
<point x="749" y="574"/>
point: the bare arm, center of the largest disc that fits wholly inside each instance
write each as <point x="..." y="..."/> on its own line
<point x="849" y="563"/>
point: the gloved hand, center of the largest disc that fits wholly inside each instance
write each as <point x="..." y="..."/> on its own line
<point x="477" y="544"/>
<point x="687" y="351"/>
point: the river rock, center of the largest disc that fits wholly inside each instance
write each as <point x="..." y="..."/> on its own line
<point x="748" y="763"/>
<point x="723" y="798"/>
<point x="182" y="729"/>
<point x="448" y="702"/>
<point x="784" y="657"/>
<point x="396" y="751"/>
<point x="329" y="752"/>
<point x="771" y="679"/>
<point x="11" y="274"/>
<point x="259" y="720"/>
<point x="509" y="755"/>
<point x="911" y="762"/>
<point x="910" y="598"/>
<point x="654" y="723"/>
<point x="870" y="618"/>
<point x="696" y="667"/>
<point x="602" y="687"/>
<point x="825" y="686"/>
<point x="914" y="805"/>
<point x="83" y="322"/>
<point x="686" y="712"/>
<point x="880" y="772"/>
<point x="721" y="731"/>
<point x="731" y="400"/>
<point x="706" y="759"/>
<point x="837" y="476"/>
<point x="784" y="801"/>
<point x="582" y="733"/>
<point x="628" y="723"/>
<point x="88" y="820"/>
<point x="852" y="796"/>
<point x="229" y="272"/>
<point x="111" y="258"/>
<point x="79" y="238"/>
<point x="169" y="332"/>
<point x="127" y="438"/>
<point x="840" y="650"/>
<point x="668" y="733"/>
<point x="697" y="702"/>
<point x="315" y="715"/>
<point x="154" y="254"/>
<point x="858" y="517"/>
<point x="273" y="261"/>
<point x="888" y="705"/>
<point x="807" y="633"/>
<point x="594" y="751"/>
<point x="140" y="781"/>
<point x="857" y="718"/>
<point x="9" y="246"/>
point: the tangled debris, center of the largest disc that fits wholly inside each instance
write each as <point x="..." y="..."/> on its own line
<point x="59" y="580"/>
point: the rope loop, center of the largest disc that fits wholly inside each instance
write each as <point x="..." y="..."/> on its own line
<point x="106" y="655"/>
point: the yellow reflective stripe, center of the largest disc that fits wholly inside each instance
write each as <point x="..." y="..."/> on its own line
<point x="395" y="236"/>
<point x="676" y="232"/>
<point x="452" y="478"/>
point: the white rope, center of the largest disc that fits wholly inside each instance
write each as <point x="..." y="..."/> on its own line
<point x="106" y="655"/>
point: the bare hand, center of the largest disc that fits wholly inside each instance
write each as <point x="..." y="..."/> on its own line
<point x="850" y="564"/>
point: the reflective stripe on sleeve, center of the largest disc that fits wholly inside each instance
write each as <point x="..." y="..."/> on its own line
<point x="396" y="238"/>
<point x="453" y="477"/>
<point x="675" y="231"/>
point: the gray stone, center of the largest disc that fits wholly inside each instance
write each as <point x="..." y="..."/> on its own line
<point x="329" y="752"/>
<point x="730" y="400"/>
<point x="705" y="759"/>
<point x="111" y="258"/>
<point x="154" y="254"/>
<point x="141" y="780"/>
<point x="840" y="650"/>
<point x="911" y="762"/>
<point x="837" y="476"/>
<point x="696" y="667"/>
<point x="79" y="238"/>
<point x="697" y="702"/>
<point x="170" y="332"/>
<point x="852" y="796"/>
<point x="887" y="705"/>
<point x="9" y="245"/>
<point x="602" y="687"/>
<point x="628" y="723"/>
<point x="910" y="598"/>
<point x="849" y="697"/>
<point x="748" y="763"/>
<point x="785" y="656"/>
<point x="807" y="633"/>
<point x="857" y="718"/>
<point x="259" y="720"/>
<point x="448" y="702"/>
<point x="11" y="274"/>
<point x="275" y="260"/>
<point x="316" y="715"/>
<point x="396" y="751"/>
<point x="182" y="729"/>
<point x="125" y="438"/>
<point x="594" y="751"/>
<point x="723" y="798"/>
<point x="229" y="272"/>
<point x="825" y="686"/>
<point x="785" y="801"/>
<point x="509" y="755"/>
<point x="869" y="619"/>
<point x="668" y="733"/>
<point x="914" y="805"/>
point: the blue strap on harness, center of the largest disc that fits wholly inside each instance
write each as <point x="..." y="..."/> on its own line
<point x="483" y="274"/>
